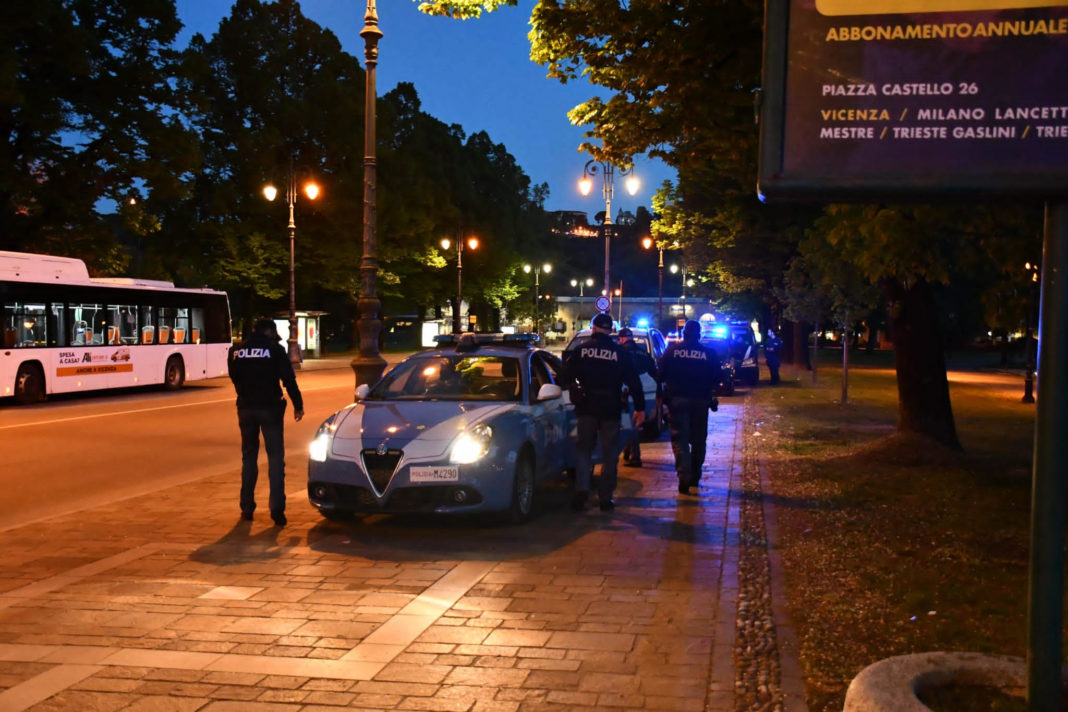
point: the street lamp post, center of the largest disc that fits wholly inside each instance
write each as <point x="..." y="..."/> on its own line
<point x="1029" y="351"/>
<point x="607" y="171"/>
<point x="685" y="283"/>
<point x="311" y="189"/>
<point x="369" y="364"/>
<point x="537" y="270"/>
<point x="581" y="283"/>
<point x="647" y="243"/>
<point x="472" y="243"/>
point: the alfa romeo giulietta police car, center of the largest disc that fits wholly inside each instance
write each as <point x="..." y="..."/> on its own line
<point x="473" y="425"/>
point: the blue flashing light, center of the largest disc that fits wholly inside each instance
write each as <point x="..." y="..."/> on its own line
<point x="643" y="323"/>
<point x="719" y="331"/>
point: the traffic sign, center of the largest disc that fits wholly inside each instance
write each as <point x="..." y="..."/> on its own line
<point x="603" y="303"/>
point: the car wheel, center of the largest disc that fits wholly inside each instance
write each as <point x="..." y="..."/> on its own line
<point x="522" y="491"/>
<point x="29" y="384"/>
<point x="174" y="373"/>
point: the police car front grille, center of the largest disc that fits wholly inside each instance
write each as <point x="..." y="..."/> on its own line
<point x="380" y="468"/>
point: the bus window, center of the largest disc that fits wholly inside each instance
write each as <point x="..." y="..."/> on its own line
<point x="87" y="324"/>
<point x="148" y="330"/>
<point x="165" y="324"/>
<point x="124" y="320"/>
<point x="181" y="326"/>
<point x="25" y="325"/>
<point x="58" y="324"/>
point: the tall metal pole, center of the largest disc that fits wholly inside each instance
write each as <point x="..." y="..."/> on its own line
<point x="537" y="320"/>
<point x="660" y="291"/>
<point x="292" y="344"/>
<point x="1029" y="350"/>
<point x="607" y="179"/>
<point x="369" y="364"/>
<point x="456" y="328"/>
<point x="1046" y="584"/>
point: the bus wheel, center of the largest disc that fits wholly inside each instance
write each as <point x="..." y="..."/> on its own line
<point x="174" y="374"/>
<point x="29" y="384"/>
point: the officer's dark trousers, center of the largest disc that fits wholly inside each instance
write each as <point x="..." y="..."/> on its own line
<point x="773" y="369"/>
<point x="252" y="422"/>
<point x="689" y="432"/>
<point x="592" y="429"/>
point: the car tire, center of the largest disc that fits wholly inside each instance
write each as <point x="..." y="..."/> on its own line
<point x="29" y="384"/>
<point x="174" y="373"/>
<point x="522" y="506"/>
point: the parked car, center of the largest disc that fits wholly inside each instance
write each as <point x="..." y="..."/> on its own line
<point x="653" y="342"/>
<point x="473" y="425"/>
<point x="736" y="344"/>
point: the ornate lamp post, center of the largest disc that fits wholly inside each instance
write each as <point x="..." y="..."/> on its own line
<point x="607" y="171"/>
<point x="546" y="268"/>
<point x="369" y="364"/>
<point x="685" y="283"/>
<point x="310" y="189"/>
<point x="1029" y="351"/>
<point x="446" y="243"/>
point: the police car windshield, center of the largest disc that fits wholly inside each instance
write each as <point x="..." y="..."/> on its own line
<point x="452" y="377"/>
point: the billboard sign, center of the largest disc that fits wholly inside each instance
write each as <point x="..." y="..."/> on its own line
<point x="876" y="99"/>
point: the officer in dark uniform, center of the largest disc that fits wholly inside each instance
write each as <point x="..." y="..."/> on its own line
<point x="256" y="366"/>
<point x="596" y="370"/>
<point x="772" y="350"/>
<point x="643" y="363"/>
<point x="689" y="375"/>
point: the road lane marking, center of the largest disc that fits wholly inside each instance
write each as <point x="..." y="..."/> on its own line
<point x="75" y="418"/>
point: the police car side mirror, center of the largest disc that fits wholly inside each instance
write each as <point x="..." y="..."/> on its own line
<point x="361" y="391"/>
<point x="549" y="391"/>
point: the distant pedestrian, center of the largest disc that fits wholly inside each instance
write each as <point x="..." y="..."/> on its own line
<point x="256" y="367"/>
<point x="689" y="376"/>
<point x="643" y="363"/>
<point x="596" y="369"/>
<point x="772" y="353"/>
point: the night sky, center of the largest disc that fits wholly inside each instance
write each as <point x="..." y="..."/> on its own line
<point x="476" y="73"/>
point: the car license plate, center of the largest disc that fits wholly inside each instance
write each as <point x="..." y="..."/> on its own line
<point x="441" y="473"/>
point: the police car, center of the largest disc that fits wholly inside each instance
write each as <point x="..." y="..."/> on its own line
<point x="736" y="345"/>
<point x="473" y="425"/>
<point x="653" y="342"/>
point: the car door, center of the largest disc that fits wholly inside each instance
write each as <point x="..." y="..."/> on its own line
<point x="551" y="418"/>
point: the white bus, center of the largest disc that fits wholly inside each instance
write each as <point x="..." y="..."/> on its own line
<point x="63" y="331"/>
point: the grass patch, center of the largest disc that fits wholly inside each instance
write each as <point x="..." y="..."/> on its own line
<point x="891" y="543"/>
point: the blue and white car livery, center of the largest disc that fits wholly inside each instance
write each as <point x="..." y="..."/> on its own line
<point x="473" y="425"/>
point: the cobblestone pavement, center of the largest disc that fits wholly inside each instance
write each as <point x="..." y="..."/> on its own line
<point x="170" y="602"/>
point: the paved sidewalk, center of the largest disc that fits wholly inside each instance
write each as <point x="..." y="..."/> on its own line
<point x="171" y="603"/>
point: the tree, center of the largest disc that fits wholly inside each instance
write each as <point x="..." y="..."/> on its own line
<point x="89" y="113"/>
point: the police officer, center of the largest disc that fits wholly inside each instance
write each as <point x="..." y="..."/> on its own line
<point x="596" y="370"/>
<point x="689" y="376"/>
<point x="772" y="351"/>
<point x="643" y="363"/>
<point x="256" y="366"/>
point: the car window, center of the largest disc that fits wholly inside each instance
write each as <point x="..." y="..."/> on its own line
<point x="539" y="375"/>
<point x="452" y="377"/>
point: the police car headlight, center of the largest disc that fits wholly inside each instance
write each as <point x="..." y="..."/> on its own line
<point x="471" y="445"/>
<point x="320" y="445"/>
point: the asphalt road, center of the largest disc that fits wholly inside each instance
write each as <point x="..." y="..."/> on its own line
<point x="76" y="452"/>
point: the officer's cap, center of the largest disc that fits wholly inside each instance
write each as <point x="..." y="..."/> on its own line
<point x="625" y="331"/>
<point x="602" y="321"/>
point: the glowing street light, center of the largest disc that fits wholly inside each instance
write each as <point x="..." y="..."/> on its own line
<point x="311" y="190"/>
<point x="607" y="172"/>
<point x="546" y="268"/>
<point x="472" y="244"/>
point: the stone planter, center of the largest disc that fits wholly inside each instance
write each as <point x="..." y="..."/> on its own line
<point x="892" y="685"/>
